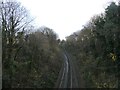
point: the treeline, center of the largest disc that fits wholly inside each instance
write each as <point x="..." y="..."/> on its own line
<point x="29" y="59"/>
<point x="96" y="49"/>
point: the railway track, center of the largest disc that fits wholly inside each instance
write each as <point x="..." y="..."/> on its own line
<point x="67" y="77"/>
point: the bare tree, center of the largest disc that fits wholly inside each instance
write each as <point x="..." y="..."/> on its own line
<point x="13" y="22"/>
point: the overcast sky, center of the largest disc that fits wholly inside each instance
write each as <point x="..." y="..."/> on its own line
<point x="64" y="16"/>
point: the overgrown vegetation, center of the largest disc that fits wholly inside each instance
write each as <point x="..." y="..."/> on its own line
<point x="96" y="49"/>
<point x="32" y="58"/>
<point x="29" y="60"/>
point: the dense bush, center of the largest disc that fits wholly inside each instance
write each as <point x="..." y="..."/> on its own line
<point x="96" y="49"/>
<point x="29" y="60"/>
